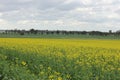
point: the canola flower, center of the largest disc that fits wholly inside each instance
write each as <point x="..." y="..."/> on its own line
<point x="59" y="78"/>
<point x="68" y="76"/>
<point x="51" y="77"/>
<point x="57" y="73"/>
<point x="23" y="63"/>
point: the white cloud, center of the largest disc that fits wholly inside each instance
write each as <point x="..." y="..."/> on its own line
<point x="68" y="1"/>
<point x="3" y="21"/>
<point x="113" y="16"/>
<point x="1" y="14"/>
<point x="87" y="2"/>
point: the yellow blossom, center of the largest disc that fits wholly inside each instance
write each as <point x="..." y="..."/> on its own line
<point x="59" y="78"/>
<point x="23" y="63"/>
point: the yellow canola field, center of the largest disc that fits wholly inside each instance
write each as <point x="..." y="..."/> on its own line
<point x="64" y="59"/>
<point x="114" y="44"/>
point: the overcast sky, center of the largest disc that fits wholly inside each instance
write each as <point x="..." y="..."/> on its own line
<point x="102" y="15"/>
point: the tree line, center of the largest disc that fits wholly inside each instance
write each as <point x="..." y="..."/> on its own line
<point x="63" y="32"/>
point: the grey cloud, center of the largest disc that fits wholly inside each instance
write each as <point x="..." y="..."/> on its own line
<point x="95" y="12"/>
<point x="11" y="5"/>
<point x="38" y="4"/>
<point x="70" y="6"/>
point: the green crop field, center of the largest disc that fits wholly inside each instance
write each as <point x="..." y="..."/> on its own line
<point x="59" y="36"/>
<point x="59" y="59"/>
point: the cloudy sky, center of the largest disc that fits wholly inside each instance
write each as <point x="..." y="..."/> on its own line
<point x="102" y="15"/>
